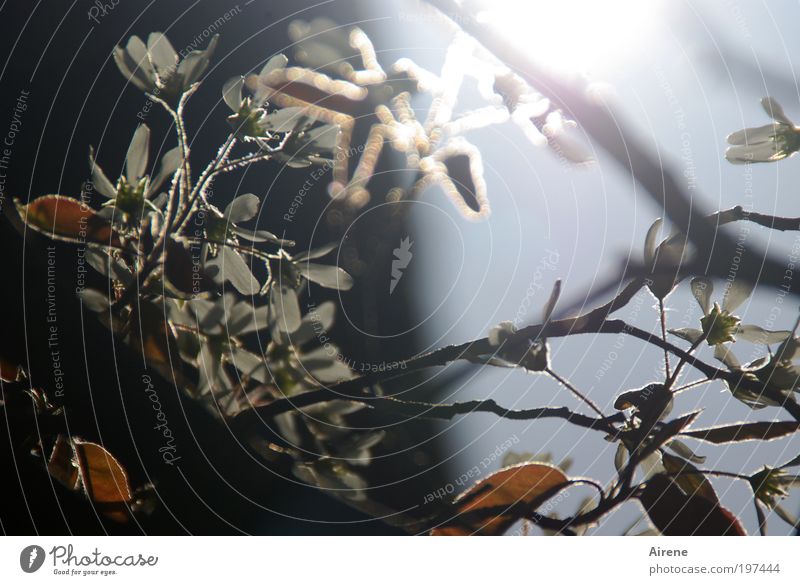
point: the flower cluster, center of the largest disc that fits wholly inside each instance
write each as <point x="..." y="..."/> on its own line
<point x="719" y="325"/>
<point x="156" y="68"/>
<point x="134" y="191"/>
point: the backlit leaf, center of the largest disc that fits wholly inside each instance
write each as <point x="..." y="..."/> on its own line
<point x="675" y="513"/>
<point x="757" y="431"/>
<point x="521" y="485"/>
<point x="688" y="478"/>
<point x="104" y="479"/>
<point x="66" y="218"/>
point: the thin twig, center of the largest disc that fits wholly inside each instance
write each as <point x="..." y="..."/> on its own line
<point x="691" y="385"/>
<point x="663" y="320"/>
<point x="575" y="391"/>
<point x="682" y="362"/>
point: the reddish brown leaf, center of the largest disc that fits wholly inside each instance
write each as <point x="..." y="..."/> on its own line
<point x="675" y="513"/>
<point x="80" y="465"/>
<point x="289" y="91"/>
<point x="63" y="217"/>
<point x="757" y="431"/>
<point x="517" y="486"/>
<point x="104" y="479"/>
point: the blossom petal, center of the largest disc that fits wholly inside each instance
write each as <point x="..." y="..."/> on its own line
<point x="759" y="153"/>
<point x="231" y="266"/>
<point x="684" y="451"/>
<point x="211" y="316"/>
<point x="316" y="322"/>
<point x="325" y="275"/>
<point x="237" y="315"/>
<point x="254" y="235"/>
<point x="325" y="368"/>
<point x="775" y="111"/>
<point x="316" y="252"/>
<point x="94" y="300"/>
<point x="257" y="319"/>
<point x="284" y="120"/>
<point x="690" y="335"/>
<point x="324" y="137"/>
<point x="130" y="71"/>
<point x="191" y="68"/>
<point x="736" y="293"/>
<point x="754" y="136"/>
<point x="195" y="63"/>
<point x="242" y="208"/>
<point x="209" y="366"/>
<point x="162" y="54"/>
<point x="702" y="289"/>
<point x="136" y="159"/>
<point x="756" y="334"/>
<point x="284" y="312"/>
<point x="134" y="62"/>
<point x="232" y="93"/>
<point x="249" y="364"/>
<point x="108" y="266"/>
<point x="99" y="179"/>
<point x="724" y="354"/>
<point x="650" y="243"/>
<point x="278" y="61"/>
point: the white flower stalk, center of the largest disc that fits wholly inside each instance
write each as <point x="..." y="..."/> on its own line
<point x="769" y="143"/>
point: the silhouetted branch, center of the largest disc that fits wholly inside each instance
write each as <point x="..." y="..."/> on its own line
<point x="595" y="321"/>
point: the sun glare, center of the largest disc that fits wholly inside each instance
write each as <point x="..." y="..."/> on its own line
<point x="575" y="36"/>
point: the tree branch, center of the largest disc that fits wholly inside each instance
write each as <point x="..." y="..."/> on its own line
<point x="595" y="321"/>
